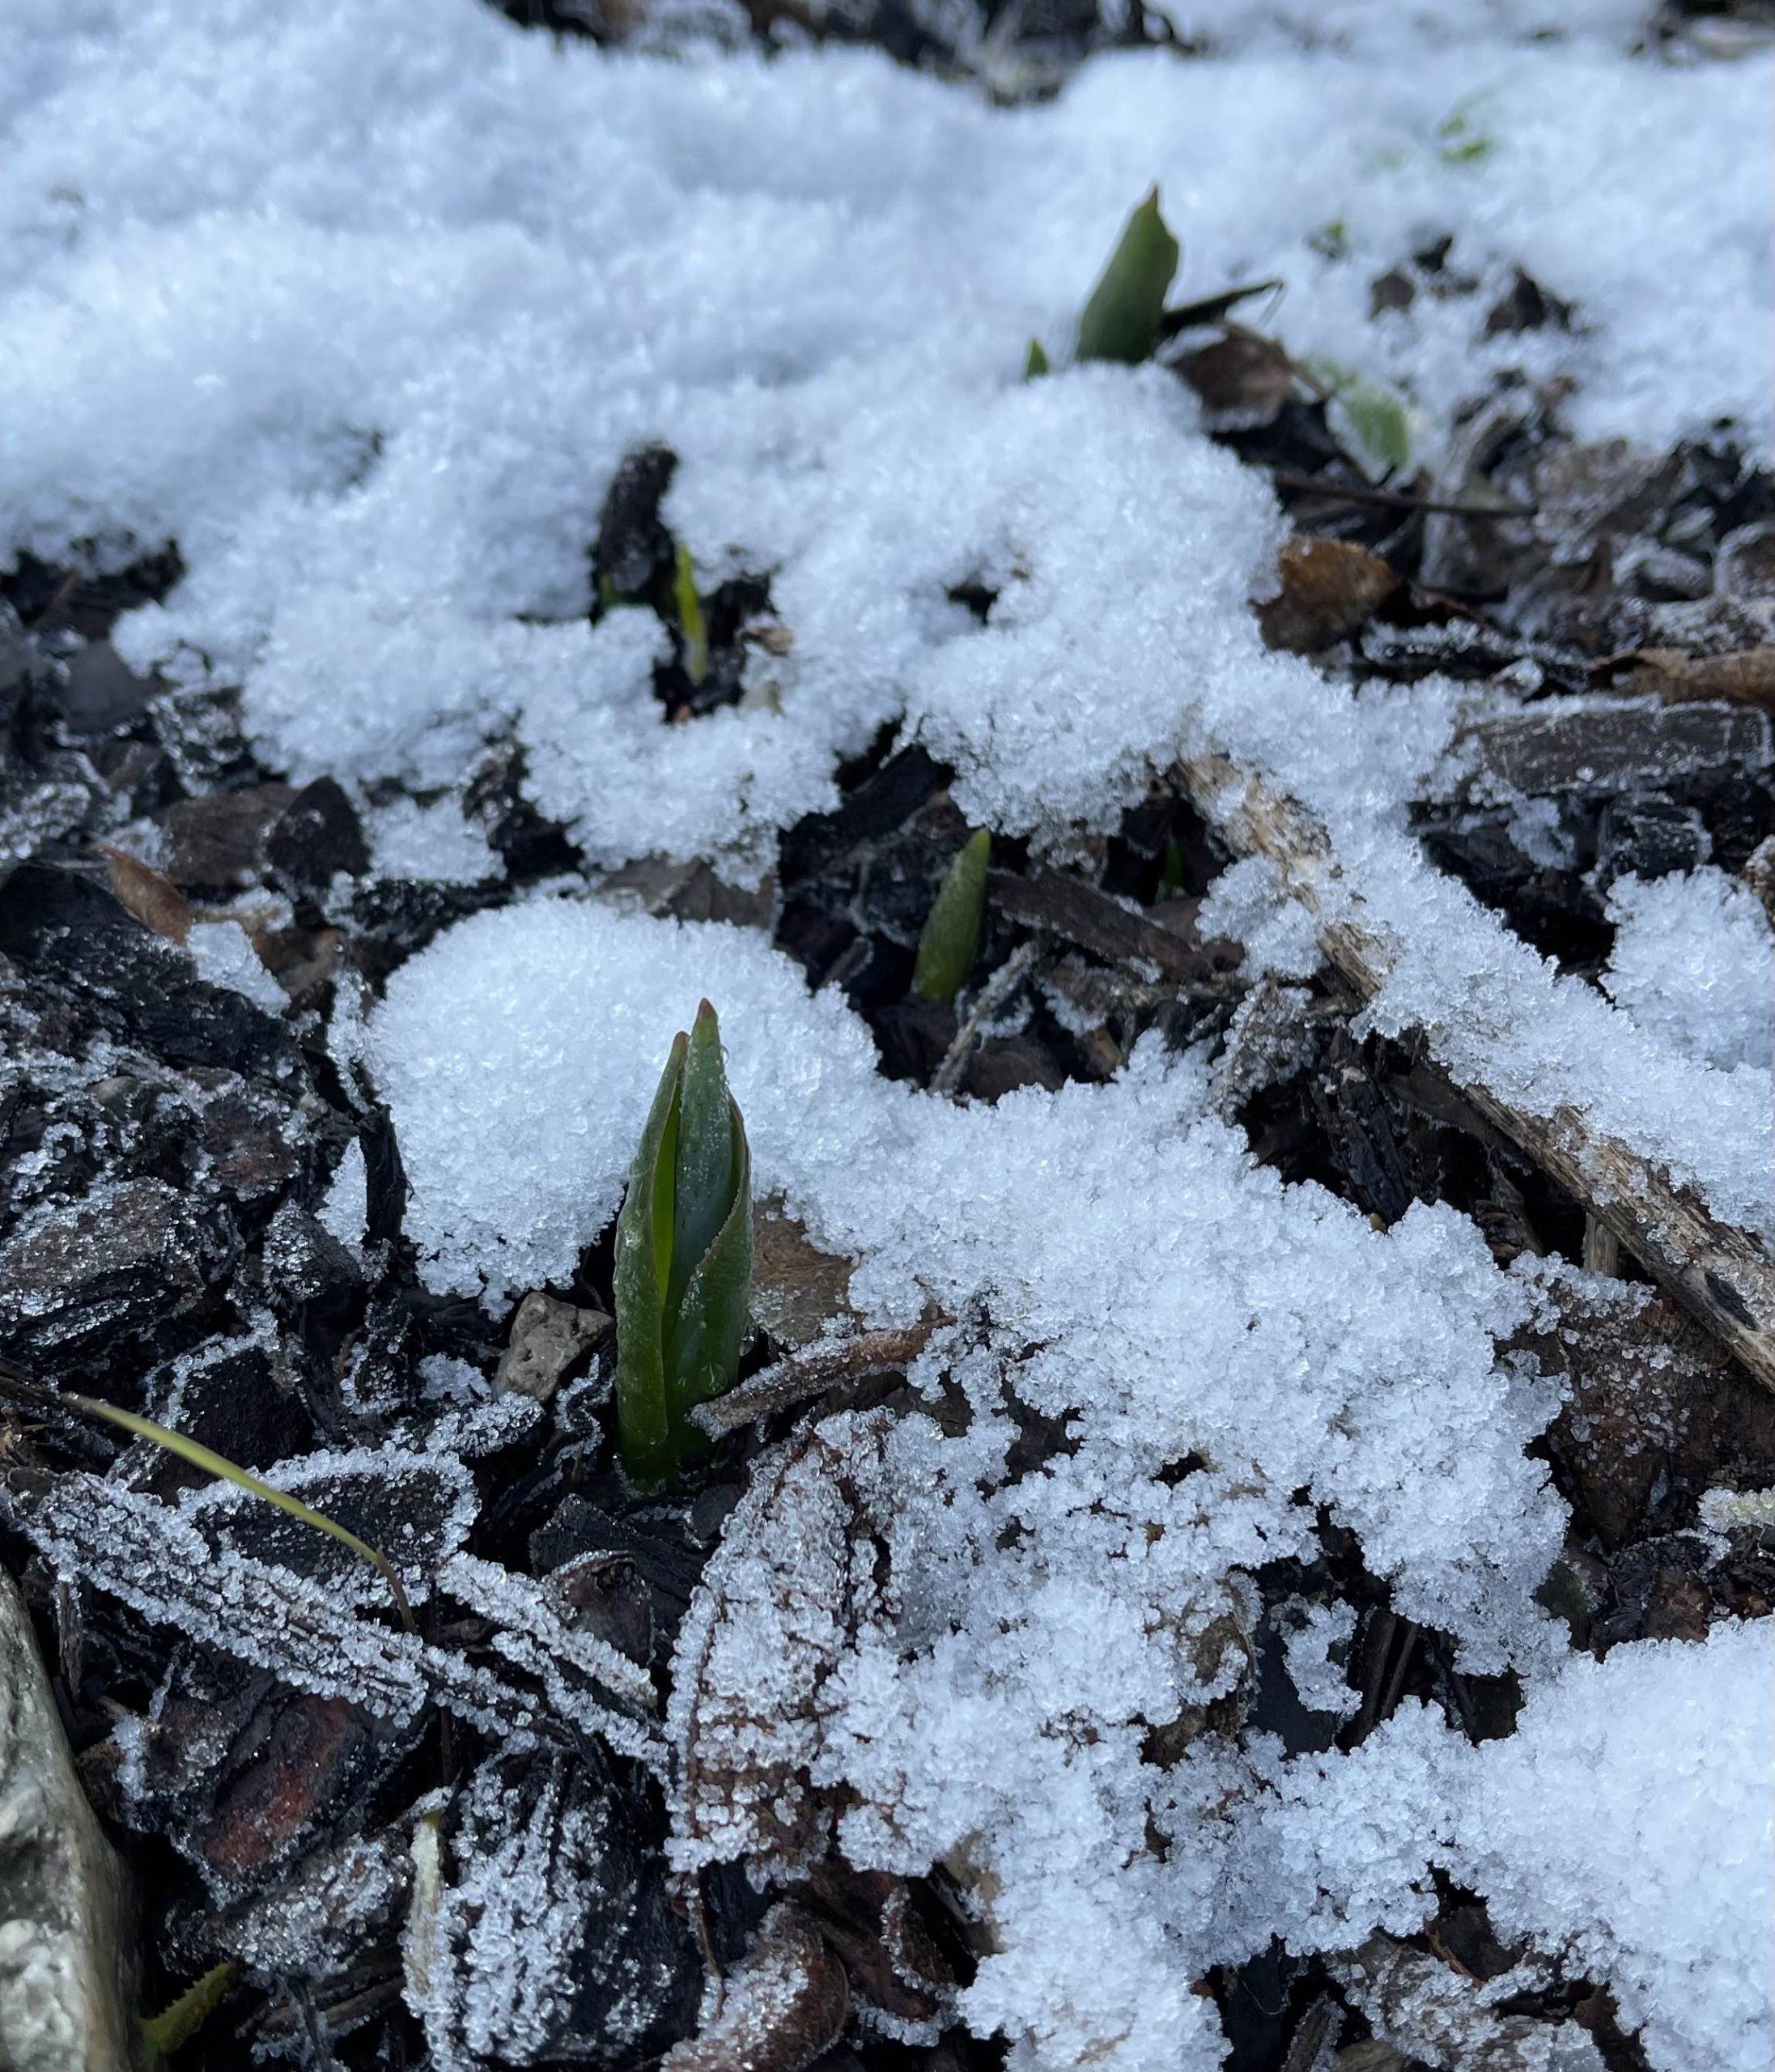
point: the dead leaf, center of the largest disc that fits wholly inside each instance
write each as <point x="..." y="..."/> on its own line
<point x="155" y="900"/>
<point x="795" y="1585"/>
<point x="797" y="1288"/>
<point x="1329" y="587"/>
<point x="1747" y="677"/>
<point x="783" y="2007"/>
<point x="1243" y="378"/>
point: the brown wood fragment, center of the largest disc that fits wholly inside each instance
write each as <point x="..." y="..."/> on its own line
<point x="1721" y="1275"/>
<point x="1747" y="677"/>
<point x="1079" y="913"/>
<point x="809" y="1374"/>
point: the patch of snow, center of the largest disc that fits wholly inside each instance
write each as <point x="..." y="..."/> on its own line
<point x="345" y="1209"/>
<point x="1693" y="965"/>
<point x="435" y="844"/>
<point x="1629" y="1823"/>
<point x="224" y="954"/>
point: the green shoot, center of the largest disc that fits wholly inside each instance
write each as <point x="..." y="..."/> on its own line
<point x="226" y="1471"/>
<point x="1121" y="321"/>
<point x="951" y="934"/>
<point x="1035" y="362"/>
<point x="158" y="2035"/>
<point x="1171" y="876"/>
<point x="691" y="623"/>
<point x="683" y="1275"/>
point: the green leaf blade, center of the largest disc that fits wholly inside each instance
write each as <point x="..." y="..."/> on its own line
<point x="951" y="935"/>
<point x="704" y="1156"/>
<point x="1121" y="319"/>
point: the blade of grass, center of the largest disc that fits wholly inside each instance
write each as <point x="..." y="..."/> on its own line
<point x="226" y="1471"/>
<point x="160" y="2034"/>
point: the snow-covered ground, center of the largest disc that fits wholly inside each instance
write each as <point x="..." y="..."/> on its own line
<point x="362" y="302"/>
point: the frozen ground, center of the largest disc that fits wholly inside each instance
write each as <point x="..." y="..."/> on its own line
<point x="363" y="303"/>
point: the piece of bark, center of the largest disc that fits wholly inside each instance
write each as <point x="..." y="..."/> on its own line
<point x="1079" y="913"/>
<point x="1721" y="1275"/>
<point x="64" y="1998"/>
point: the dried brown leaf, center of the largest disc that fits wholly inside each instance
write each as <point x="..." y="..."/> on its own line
<point x="1329" y="587"/>
<point x="155" y="900"/>
<point x="783" y="2007"/>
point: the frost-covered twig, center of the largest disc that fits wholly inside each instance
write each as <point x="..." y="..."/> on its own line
<point x="807" y="1374"/>
<point x="1720" y="1273"/>
<point x="993" y="996"/>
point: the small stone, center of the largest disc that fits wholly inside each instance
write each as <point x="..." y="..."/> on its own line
<point x="547" y="1337"/>
<point x="63" y="2000"/>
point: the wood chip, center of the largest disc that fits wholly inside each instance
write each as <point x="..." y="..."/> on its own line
<point x="1079" y="913"/>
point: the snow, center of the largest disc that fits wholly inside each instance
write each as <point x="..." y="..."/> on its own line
<point x="268" y="293"/>
<point x="1631" y="1821"/>
<point x="362" y="305"/>
<point x="223" y="952"/>
<point x="1693" y="965"/>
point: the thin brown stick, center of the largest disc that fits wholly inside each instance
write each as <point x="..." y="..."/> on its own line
<point x="1394" y="499"/>
<point x="1721" y="1275"/>
<point x="807" y="1375"/>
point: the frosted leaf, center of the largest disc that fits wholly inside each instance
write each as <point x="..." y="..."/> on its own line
<point x="318" y="1920"/>
<point x="531" y="1632"/>
<point x="152" y="1557"/>
<point x="783" y="1597"/>
<point x="782" y="2007"/>
<point x="1431" y="2011"/>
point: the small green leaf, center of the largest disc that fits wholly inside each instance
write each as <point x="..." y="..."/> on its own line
<point x="951" y="934"/>
<point x="641" y="1267"/>
<point x="1035" y="361"/>
<point x="1375" y="421"/>
<point x="705" y="1334"/>
<point x="691" y="622"/>
<point x="705" y="1153"/>
<point x="683" y="1271"/>
<point x="1171" y="876"/>
<point x="226" y="1471"/>
<point x="1121" y="321"/>
<point x="160" y="2034"/>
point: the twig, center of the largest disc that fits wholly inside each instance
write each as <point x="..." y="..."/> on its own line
<point x="806" y="1374"/>
<point x="1719" y="1274"/>
<point x="994" y="995"/>
<point x="1395" y="500"/>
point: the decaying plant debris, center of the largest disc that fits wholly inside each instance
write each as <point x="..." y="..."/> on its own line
<point x="641" y="1786"/>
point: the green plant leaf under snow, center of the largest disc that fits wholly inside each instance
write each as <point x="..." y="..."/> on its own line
<point x="1121" y="321"/>
<point x="1035" y="361"/>
<point x="226" y="1471"/>
<point x="683" y="1273"/>
<point x="951" y="934"/>
<point x="691" y="623"/>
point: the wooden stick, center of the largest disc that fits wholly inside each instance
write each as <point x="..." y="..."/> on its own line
<point x="806" y="1374"/>
<point x="1721" y="1275"/>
